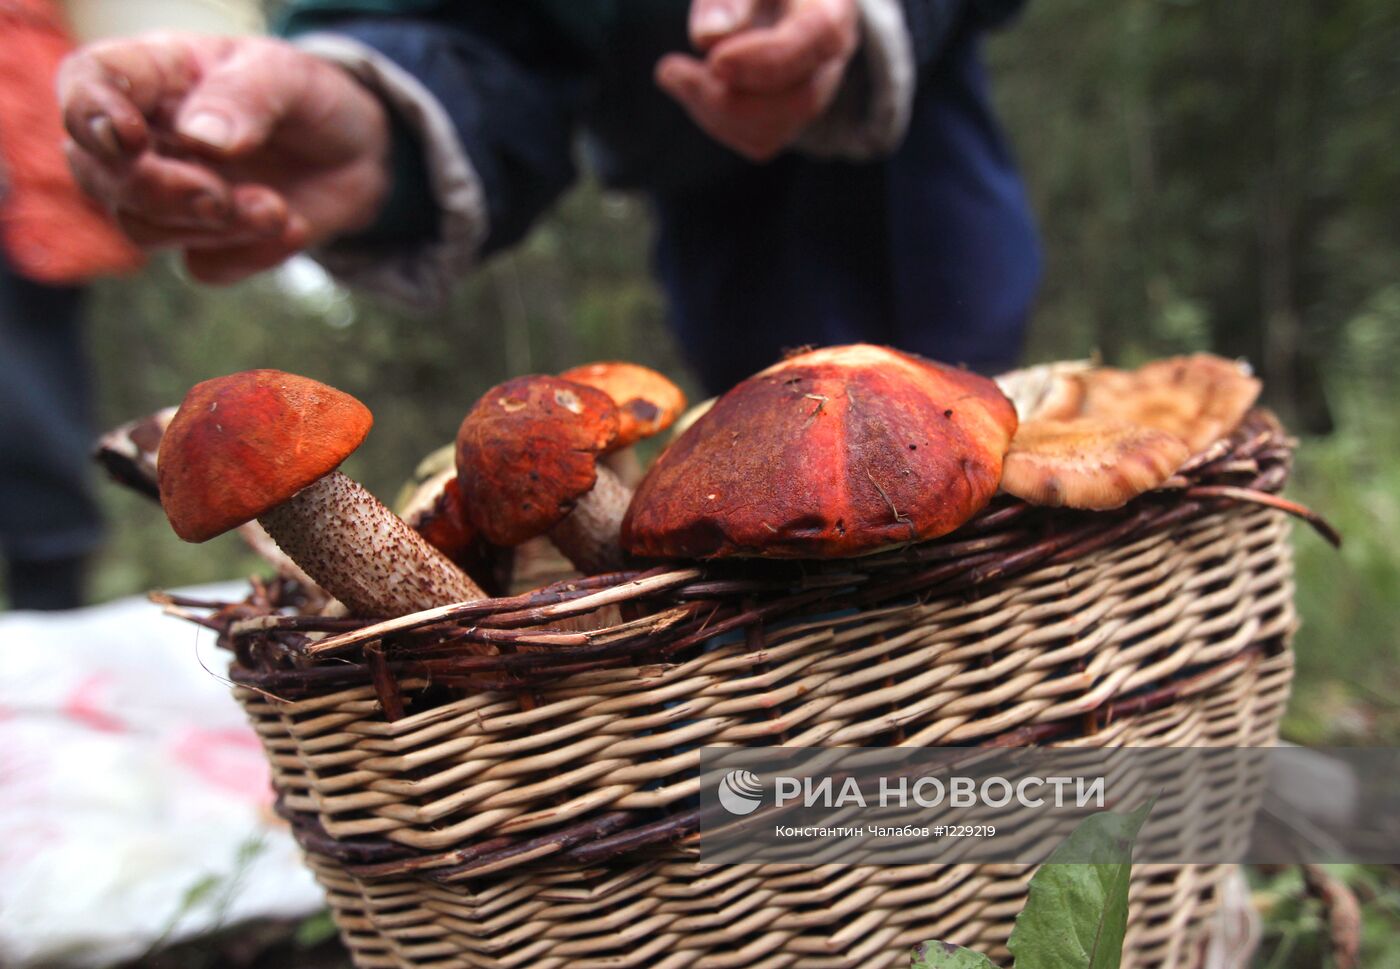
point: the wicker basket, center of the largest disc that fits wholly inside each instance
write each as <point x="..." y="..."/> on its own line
<point x="490" y="785"/>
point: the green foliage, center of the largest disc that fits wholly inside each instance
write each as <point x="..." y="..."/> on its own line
<point x="1295" y="930"/>
<point x="1076" y="913"/>
<point x="945" y="955"/>
<point x="313" y="931"/>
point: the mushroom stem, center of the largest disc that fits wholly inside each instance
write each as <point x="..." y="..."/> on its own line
<point x="590" y="535"/>
<point x="362" y="553"/>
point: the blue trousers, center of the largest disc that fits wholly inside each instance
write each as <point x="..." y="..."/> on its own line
<point x="47" y="508"/>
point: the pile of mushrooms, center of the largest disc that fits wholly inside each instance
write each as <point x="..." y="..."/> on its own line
<point x="1097" y="437"/>
<point x="835" y="452"/>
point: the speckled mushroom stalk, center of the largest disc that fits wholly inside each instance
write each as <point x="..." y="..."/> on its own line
<point x="265" y="445"/>
<point x="590" y="534"/>
<point x="362" y="553"/>
<point x="527" y="465"/>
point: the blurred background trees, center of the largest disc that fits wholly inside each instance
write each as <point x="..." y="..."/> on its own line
<point x="1216" y="175"/>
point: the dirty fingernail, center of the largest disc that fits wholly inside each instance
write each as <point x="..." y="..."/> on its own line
<point x="209" y="128"/>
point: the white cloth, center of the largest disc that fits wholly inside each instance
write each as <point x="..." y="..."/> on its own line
<point x="134" y="798"/>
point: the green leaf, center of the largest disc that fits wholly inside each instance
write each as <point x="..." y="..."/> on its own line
<point x="1077" y="914"/>
<point x="945" y="955"/>
<point x="315" y="930"/>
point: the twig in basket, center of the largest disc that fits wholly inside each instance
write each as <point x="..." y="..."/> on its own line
<point x="198" y="620"/>
<point x="637" y="587"/>
<point x="666" y="830"/>
<point x="633" y="589"/>
<point x="386" y="687"/>
<point x="1319" y="524"/>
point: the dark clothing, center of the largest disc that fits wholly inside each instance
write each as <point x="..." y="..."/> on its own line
<point x="47" y="508"/>
<point x="931" y="249"/>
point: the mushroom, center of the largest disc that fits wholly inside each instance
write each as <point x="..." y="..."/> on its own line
<point x="1052" y="390"/>
<point x="129" y="455"/>
<point x="433" y="508"/>
<point x="528" y="464"/>
<point x="647" y="403"/>
<point x="1089" y="462"/>
<point x="265" y="445"/>
<point x="833" y="452"/>
<point x="1199" y="398"/>
<point x="128" y="452"/>
<point x="690" y="417"/>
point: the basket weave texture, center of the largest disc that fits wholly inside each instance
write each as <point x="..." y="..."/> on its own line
<point x="487" y="786"/>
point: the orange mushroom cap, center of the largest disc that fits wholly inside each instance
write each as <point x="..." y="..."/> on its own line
<point x="829" y="453"/>
<point x="1199" y="398"/>
<point x="1089" y="462"/>
<point x="243" y="444"/>
<point x="528" y="451"/>
<point x="647" y="401"/>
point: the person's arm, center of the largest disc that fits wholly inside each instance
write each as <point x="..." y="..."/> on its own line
<point x="828" y="77"/>
<point x="482" y="147"/>
<point x="240" y="151"/>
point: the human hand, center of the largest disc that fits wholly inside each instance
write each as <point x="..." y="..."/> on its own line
<point x="770" y="68"/>
<point x="240" y="151"/>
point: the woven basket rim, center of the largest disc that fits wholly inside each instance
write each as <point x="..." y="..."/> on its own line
<point x="513" y="643"/>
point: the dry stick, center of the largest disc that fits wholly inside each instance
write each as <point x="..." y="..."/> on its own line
<point x="386" y="687"/>
<point x="1319" y="524"/>
<point x="429" y="617"/>
<point x="1343" y="914"/>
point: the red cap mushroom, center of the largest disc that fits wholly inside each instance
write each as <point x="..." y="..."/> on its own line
<point x="647" y="404"/>
<point x="130" y="452"/>
<point x="265" y="445"/>
<point x="527" y="464"/>
<point x="647" y="401"/>
<point x="1089" y="462"/>
<point x="829" y="453"/>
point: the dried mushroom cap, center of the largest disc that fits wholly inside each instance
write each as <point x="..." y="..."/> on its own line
<point x="647" y="401"/>
<point x="1049" y="390"/>
<point x="1199" y="398"/>
<point x="528" y="451"/>
<point x="1089" y="462"/>
<point x="829" y="453"/>
<point x="243" y="444"/>
<point x="128" y="453"/>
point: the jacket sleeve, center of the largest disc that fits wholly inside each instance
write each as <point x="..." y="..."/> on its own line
<point x="900" y="41"/>
<point x="932" y="22"/>
<point x="482" y="119"/>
